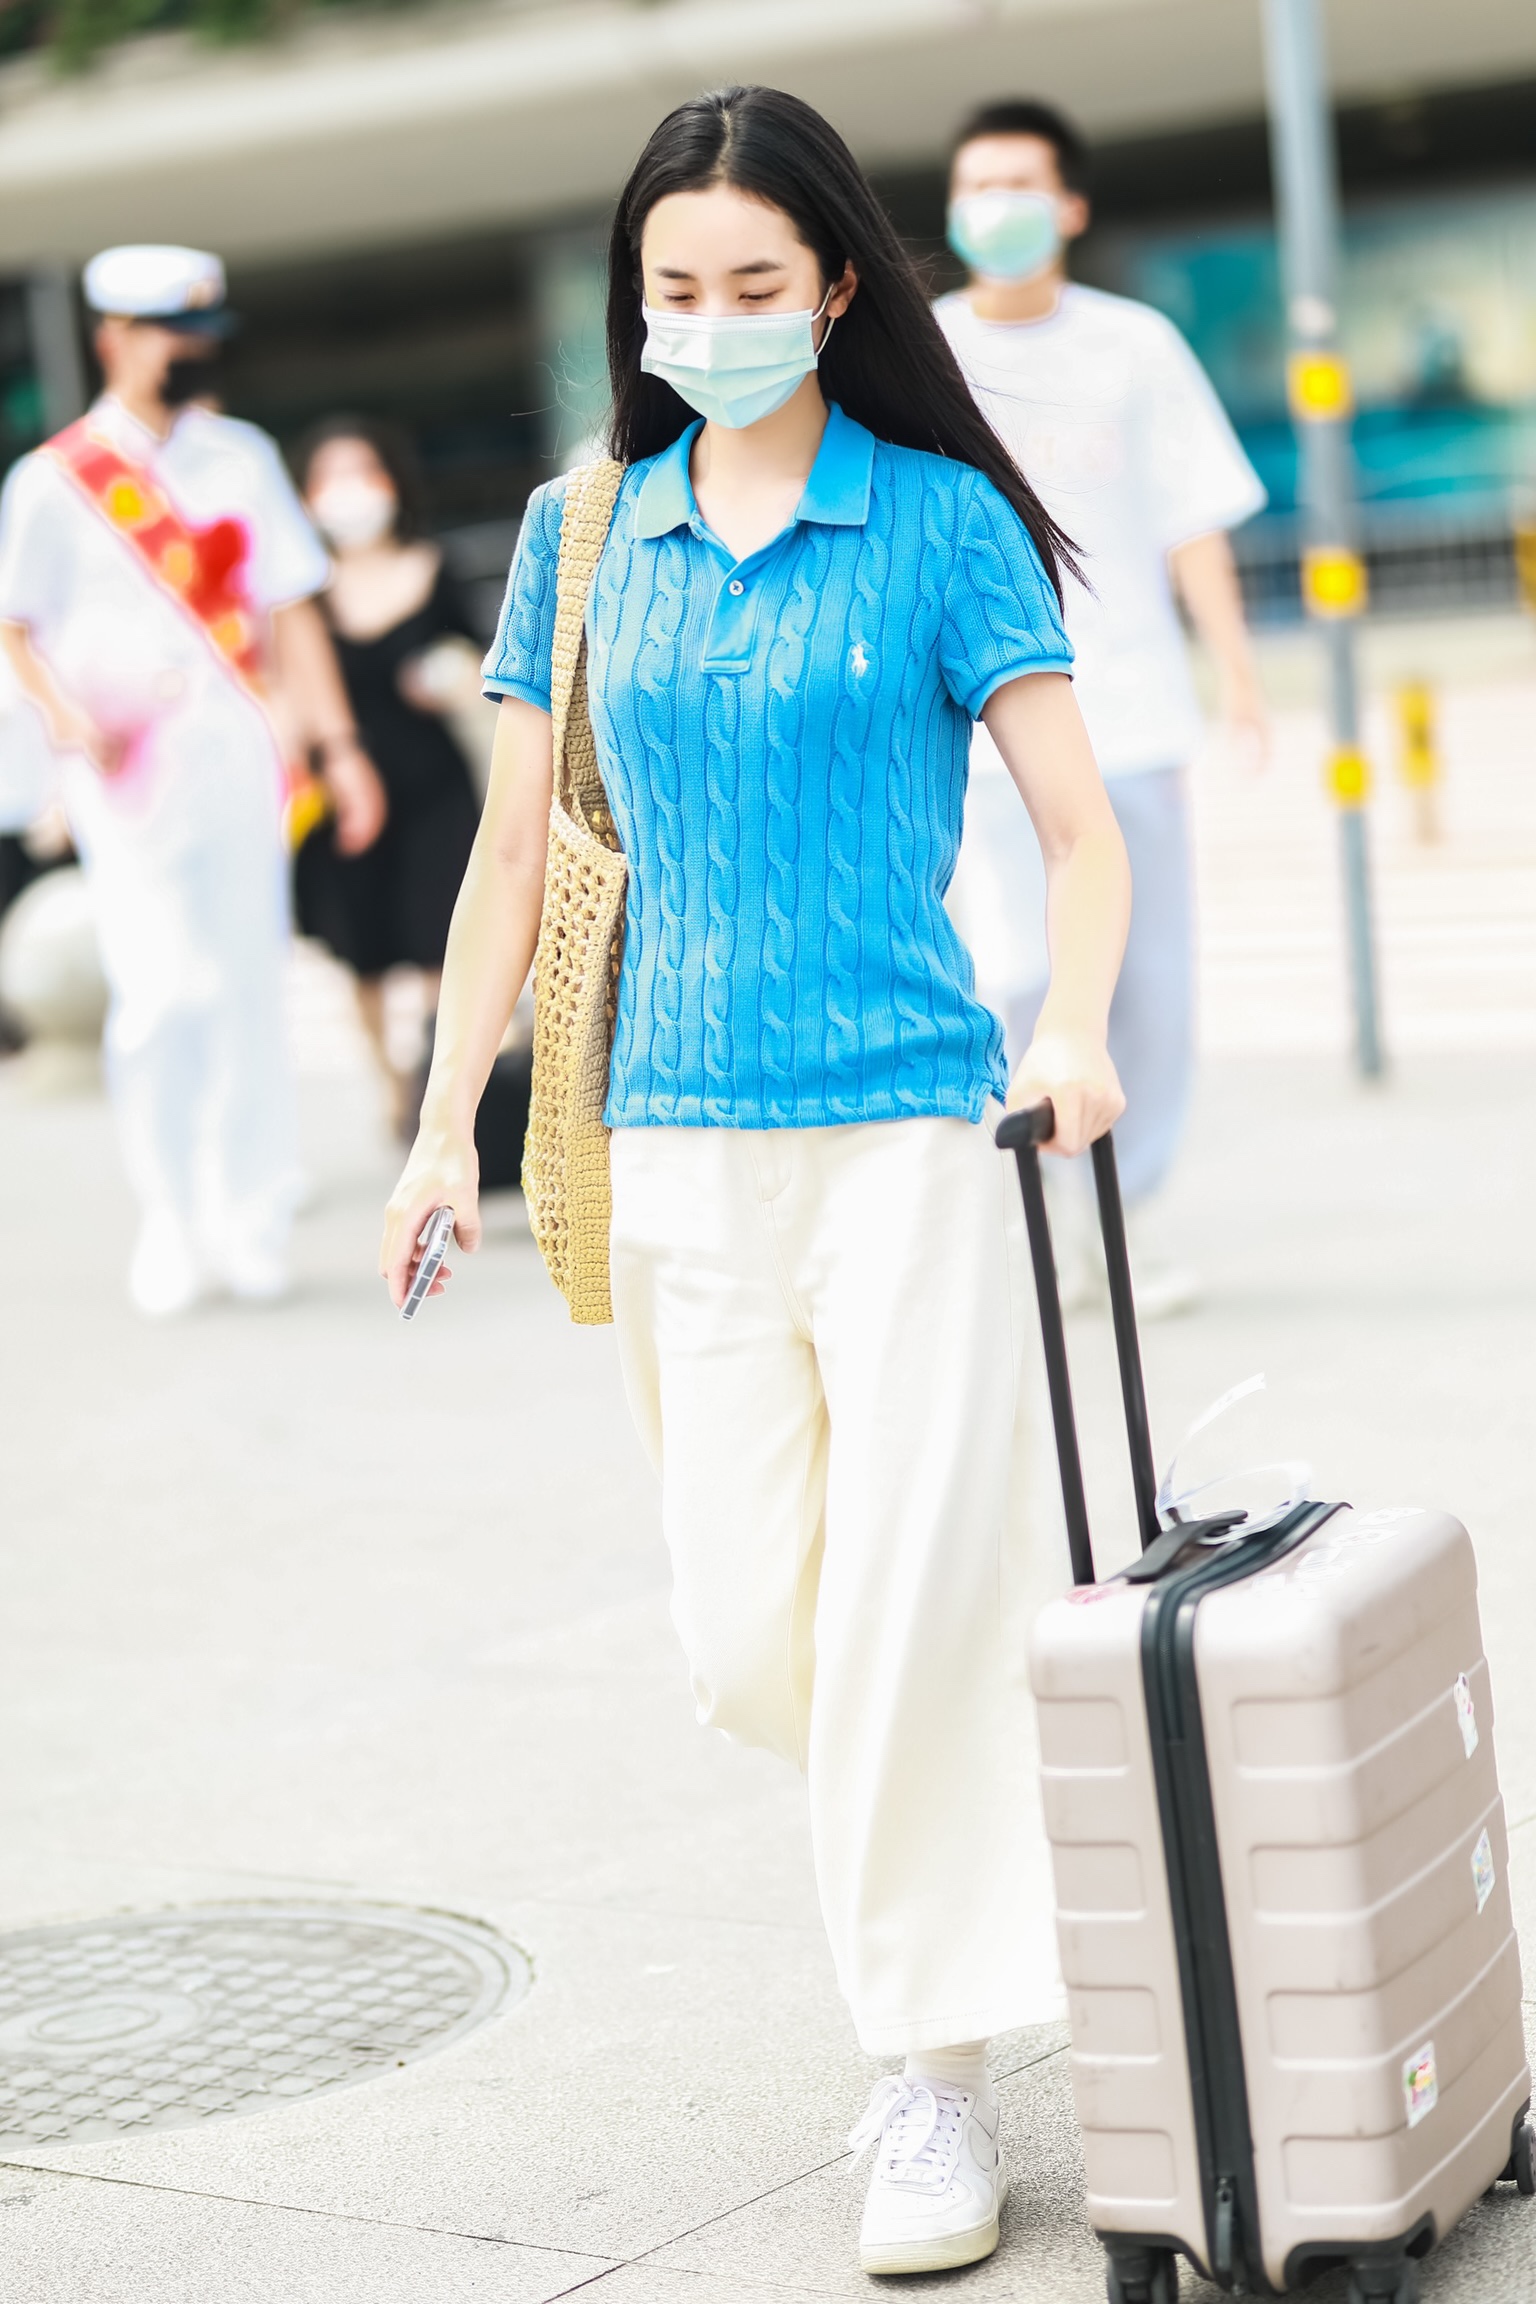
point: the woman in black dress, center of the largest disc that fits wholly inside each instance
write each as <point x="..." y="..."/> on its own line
<point x="410" y="655"/>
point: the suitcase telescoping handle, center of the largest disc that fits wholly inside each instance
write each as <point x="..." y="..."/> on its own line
<point x="1022" y="1134"/>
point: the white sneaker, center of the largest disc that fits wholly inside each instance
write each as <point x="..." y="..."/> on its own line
<point x="939" y="2180"/>
<point x="1163" y="1286"/>
<point x="250" y="1260"/>
<point x="165" y="1276"/>
<point x="1076" y="1248"/>
<point x="255" y="1275"/>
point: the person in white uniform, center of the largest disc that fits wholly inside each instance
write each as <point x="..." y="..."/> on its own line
<point x="1107" y="411"/>
<point x="157" y="575"/>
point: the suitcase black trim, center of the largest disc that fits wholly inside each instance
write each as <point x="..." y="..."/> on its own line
<point x="1218" y="2082"/>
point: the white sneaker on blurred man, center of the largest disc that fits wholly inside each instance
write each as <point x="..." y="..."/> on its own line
<point x="251" y="1260"/>
<point x="166" y="1274"/>
<point x="1164" y="1285"/>
<point x="1076" y="1247"/>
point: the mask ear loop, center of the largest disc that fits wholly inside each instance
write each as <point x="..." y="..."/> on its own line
<point x="831" y="323"/>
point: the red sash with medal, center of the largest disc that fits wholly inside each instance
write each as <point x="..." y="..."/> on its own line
<point x="201" y="569"/>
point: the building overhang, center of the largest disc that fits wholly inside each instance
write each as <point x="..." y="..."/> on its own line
<point x="360" y="129"/>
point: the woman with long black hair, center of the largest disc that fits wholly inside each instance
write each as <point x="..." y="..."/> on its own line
<point x="818" y="1272"/>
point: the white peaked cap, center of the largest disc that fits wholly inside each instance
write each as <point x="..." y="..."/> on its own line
<point x="154" y="283"/>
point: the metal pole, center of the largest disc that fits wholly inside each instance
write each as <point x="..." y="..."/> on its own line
<point x="55" y="334"/>
<point x="1333" y="575"/>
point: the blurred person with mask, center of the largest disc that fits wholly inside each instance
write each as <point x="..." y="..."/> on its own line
<point x="157" y="574"/>
<point x="410" y="656"/>
<point x="1106" y="409"/>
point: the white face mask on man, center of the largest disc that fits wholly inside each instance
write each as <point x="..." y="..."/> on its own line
<point x="352" y="514"/>
<point x="734" y="368"/>
<point x="1005" y="235"/>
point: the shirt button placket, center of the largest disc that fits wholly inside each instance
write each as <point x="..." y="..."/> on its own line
<point x="730" y="628"/>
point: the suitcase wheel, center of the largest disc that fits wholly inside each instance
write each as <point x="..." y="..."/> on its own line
<point x="1151" y="2276"/>
<point x="1522" y="2159"/>
<point x="1384" y="2284"/>
<point x="1520" y="2168"/>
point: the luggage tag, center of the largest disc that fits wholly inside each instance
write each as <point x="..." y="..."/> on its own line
<point x="1172" y="1499"/>
<point x="1214" y="1531"/>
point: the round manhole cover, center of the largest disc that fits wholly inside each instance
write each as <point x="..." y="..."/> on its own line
<point x="111" y="2027"/>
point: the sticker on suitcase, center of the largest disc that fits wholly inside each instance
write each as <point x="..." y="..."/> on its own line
<point x="1466" y="1713"/>
<point x="1482" y="1868"/>
<point x="1421" y="2089"/>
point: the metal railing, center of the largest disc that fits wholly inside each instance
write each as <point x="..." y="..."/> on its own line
<point x="1420" y="560"/>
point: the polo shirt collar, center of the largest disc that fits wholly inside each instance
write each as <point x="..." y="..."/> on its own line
<point x="666" y="500"/>
<point x="836" y="494"/>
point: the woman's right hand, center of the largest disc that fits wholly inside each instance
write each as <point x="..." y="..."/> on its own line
<point x="442" y="1172"/>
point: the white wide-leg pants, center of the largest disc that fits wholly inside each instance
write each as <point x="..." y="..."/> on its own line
<point x="824" y="1334"/>
<point x="191" y="911"/>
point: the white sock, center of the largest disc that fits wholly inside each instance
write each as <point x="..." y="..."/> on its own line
<point x="962" y="2067"/>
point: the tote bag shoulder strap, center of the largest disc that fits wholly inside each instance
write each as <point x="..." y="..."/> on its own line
<point x="590" y="494"/>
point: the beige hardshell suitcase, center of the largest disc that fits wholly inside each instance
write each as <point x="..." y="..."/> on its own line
<point x="1281" y="1871"/>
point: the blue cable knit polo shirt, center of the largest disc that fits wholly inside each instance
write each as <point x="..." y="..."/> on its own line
<point x="784" y="740"/>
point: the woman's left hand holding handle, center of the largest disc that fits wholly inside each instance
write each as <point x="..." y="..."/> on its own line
<point x="1074" y="1070"/>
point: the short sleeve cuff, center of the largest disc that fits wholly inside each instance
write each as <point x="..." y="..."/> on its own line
<point x="1217" y="517"/>
<point x="297" y="589"/>
<point x="986" y="688"/>
<point x="495" y="685"/>
<point x="519" y="661"/>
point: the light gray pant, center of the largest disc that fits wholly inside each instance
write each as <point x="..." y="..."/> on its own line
<point x="998" y="904"/>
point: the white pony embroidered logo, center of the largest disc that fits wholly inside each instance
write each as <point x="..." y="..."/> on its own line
<point x="860" y="660"/>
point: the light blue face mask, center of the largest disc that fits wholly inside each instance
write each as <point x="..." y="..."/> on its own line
<point x="736" y="369"/>
<point x="1004" y="235"/>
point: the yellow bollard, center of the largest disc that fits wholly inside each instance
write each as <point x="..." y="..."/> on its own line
<point x="1418" y="756"/>
<point x="1525" y="562"/>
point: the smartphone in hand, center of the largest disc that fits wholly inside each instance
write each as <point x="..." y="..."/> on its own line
<point x="433" y="1243"/>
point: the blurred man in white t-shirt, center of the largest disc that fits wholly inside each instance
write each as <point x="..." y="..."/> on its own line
<point x="1113" y="420"/>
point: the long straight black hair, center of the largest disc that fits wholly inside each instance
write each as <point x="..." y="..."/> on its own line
<point x="887" y="363"/>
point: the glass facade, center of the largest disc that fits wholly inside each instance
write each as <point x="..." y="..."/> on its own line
<point x="1437" y="296"/>
<point x="1438" y="304"/>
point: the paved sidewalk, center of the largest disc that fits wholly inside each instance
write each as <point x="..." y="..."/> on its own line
<point x="303" y="1603"/>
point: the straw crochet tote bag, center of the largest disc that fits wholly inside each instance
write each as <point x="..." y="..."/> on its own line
<point x="581" y="942"/>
